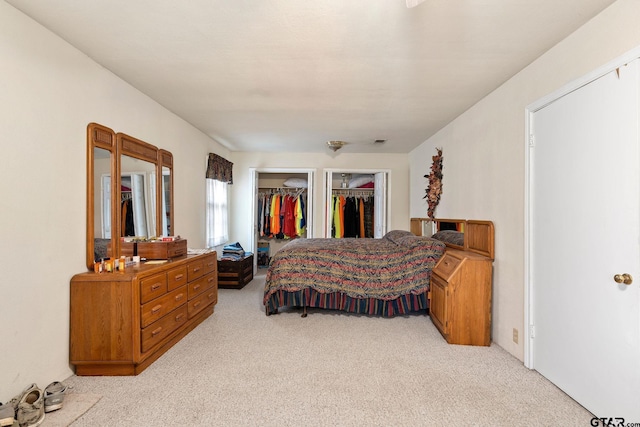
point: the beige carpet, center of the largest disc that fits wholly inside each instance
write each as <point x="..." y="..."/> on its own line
<point x="73" y="407"/>
<point x="242" y="368"/>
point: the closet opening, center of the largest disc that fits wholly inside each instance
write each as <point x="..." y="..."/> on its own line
<point x="282" y="210"/>
<point x="356" y="203"/>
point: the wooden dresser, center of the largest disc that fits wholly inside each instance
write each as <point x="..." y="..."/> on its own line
<point x="123" y="321"/>
<point x="460" y="297"/>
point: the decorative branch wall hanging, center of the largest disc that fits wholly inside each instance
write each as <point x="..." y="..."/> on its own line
<point x="434" y="190"/>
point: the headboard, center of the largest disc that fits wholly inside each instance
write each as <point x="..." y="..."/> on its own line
<point x="479" y="236"/>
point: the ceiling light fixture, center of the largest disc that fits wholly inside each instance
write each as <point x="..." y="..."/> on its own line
<point x="336" y="145"/>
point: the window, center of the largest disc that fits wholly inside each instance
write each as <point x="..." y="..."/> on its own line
<point x="217" y="227"/>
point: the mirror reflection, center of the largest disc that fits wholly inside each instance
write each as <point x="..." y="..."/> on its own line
<point x="166" y="201"/>
<point x="137" y="198"/>
<point x="102" y="203"/>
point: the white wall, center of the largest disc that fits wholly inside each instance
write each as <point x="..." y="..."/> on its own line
<point x="484" y="154"/>
<point x="50" y="92"/>
<point x="241" y="215"/>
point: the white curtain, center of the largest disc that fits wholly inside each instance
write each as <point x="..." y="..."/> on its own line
<point x="217" y="218"/>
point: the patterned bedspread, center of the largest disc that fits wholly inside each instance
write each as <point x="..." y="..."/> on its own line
<point x="384" y="269"/>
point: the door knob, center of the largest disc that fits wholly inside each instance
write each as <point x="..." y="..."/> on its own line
<point x="623" y="278"/>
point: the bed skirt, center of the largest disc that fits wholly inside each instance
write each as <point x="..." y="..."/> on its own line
<point x="404" y="304"/>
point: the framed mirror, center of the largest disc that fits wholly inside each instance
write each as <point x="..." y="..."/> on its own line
<point x="165" y="219"/>
<point x="449" y="231"/>
<point x="137" y="183"/>
<point x="129" y="192"/>
<point x="101" y="183"/>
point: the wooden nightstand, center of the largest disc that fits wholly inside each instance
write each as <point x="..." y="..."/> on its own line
<point x="460" y="297"/>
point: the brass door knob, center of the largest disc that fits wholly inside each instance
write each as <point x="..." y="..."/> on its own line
<point x="623" y="278"/>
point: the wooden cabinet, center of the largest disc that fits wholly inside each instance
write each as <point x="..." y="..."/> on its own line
<point x="235" y="274"/>
<point x="123" y="321"/>
<point x="460" y="297"/>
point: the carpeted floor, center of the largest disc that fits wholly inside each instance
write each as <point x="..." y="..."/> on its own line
<point x="75" y="405"/>
<point x="242" y="368"/>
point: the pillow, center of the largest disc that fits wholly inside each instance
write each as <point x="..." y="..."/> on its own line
<point x="360" y="180"/>
<point x="296" y="182"/>
<point x="396" y="236"/>
<point x="422" y="243"/>
<point x="450" y="236"/>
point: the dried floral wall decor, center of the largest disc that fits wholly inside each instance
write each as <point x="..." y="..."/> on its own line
<point x="434" y="190"/>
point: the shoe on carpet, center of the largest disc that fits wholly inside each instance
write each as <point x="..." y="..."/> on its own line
<point x="54" y="396"/>
<point x="29" y="407"/>
<point x="7" y="414"/>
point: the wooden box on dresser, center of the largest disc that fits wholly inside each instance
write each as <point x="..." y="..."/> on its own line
<point x="123" y="321"/>
<point x="460" y="297"/>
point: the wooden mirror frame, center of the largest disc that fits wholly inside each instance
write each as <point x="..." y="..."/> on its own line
<point x="138" y="149"/>
<point x="119" y="144"/>
<point x="165" y="159"/>
<point x="99" y="136"/>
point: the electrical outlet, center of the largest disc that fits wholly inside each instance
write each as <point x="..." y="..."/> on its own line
<point x="515" y="335"/>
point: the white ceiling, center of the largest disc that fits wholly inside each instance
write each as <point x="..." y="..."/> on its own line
<point x="288" y="75"/>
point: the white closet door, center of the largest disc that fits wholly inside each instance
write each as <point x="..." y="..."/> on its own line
<point x="139" y="205"/>
<point x="585" y="221"/>
<point x="380" y="205"/>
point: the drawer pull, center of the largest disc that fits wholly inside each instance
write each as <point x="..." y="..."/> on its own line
<point x="211" y="295"/>
<point x="178" y="276"/>
<point x="195" y="270"/>
<point x="156" y="332"/>
<point x="197" y="304"/>
<point x="155" y="286"/>
<point x="179" y="297"/>
<point x="211" y="264"/>
<point x="196" y="287"/>
<point x="179" y="317"/>
<point x="211" y="279"/>
<point x="156" y="309"/>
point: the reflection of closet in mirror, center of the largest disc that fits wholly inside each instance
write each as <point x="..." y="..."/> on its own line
<point x="138" y="166"/>
<point x="136" y="204"/>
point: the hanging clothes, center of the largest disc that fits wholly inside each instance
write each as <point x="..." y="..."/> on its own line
<point x="351" y="228"/>
<point x="368" y="217"/>
<point x="361" y="217"/>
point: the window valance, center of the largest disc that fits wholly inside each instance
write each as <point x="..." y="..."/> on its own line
<point x="219" y="169"/>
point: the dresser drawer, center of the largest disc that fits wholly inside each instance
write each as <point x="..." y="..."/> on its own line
<point x="154" y="310"/>
<point x="152" y="287"/>
<point x="210" y="264"/>
<point x="446" y="266"/>
<point x="194" y="270"/>
<point x="202" y="301"/>
<point x="176" y="277"/>
<point x="200" y="285"/>
<point x="157" y="331"/>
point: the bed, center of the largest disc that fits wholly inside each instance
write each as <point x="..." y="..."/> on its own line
<point x="382" y="277"/>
